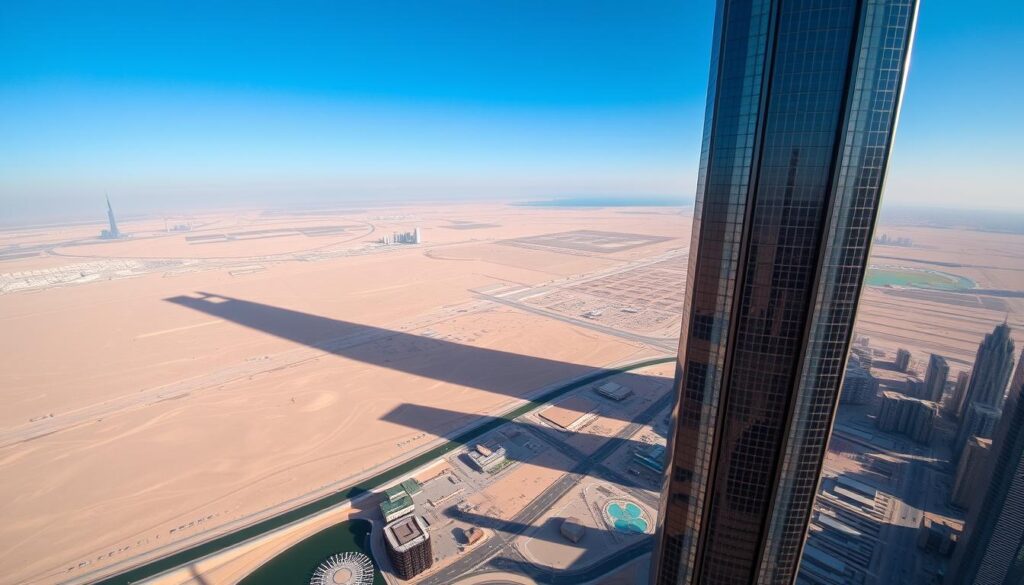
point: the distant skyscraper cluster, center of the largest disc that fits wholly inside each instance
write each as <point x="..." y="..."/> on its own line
<point x="412" y="237"/>
<point x="885" y="240"/>
<point x="801" y="111"/>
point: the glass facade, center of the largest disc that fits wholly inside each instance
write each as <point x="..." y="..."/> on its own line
<point x="802" y="105"/>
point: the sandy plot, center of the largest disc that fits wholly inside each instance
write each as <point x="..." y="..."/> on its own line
<point x="574" y="410"/>
<point x="518" y="487"/>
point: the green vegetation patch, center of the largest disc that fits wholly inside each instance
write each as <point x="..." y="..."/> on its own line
<point x="914" y="278"/>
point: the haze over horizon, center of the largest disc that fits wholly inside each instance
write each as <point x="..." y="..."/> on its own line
<point x="173" y="109"/>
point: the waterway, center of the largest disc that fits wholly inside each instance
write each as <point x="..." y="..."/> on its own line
<point x="295" y="565"/>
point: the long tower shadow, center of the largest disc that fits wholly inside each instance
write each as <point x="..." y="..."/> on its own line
<point x="491" y="370"/>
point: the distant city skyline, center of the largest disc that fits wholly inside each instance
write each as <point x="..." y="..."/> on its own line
<point x="204" y="105"/>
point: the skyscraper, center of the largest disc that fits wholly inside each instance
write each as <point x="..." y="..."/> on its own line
<point x="992" y="368"/>
<point x="992" y="552"/>
<point x="935" y="378"/>
<point x="955" y="403"/>
<point x="114" y="232"/>
<point x="802" y="106"/>
<point x="902" y="361"/>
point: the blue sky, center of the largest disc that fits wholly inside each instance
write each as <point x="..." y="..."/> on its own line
<point x="168" y="105"/>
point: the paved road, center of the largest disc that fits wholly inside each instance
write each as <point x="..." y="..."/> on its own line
<point x="607" y="565"/>
<point x="600" y="469"/>
<point x="670" y="344"/>
<point x="508" y="531"/>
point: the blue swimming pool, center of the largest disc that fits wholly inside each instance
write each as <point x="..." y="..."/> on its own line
<point x="627" y="517"/>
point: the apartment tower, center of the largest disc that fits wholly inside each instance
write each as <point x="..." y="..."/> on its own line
<point x="802" y="105"/>
<point x="983" y="400"/>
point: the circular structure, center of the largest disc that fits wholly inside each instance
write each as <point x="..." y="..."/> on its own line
<point x="350" y="568"/>
<point x="626" y="517"/>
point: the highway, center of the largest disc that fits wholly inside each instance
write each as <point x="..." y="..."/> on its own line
<point x="668" y="344"/>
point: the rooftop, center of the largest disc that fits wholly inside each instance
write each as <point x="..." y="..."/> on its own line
<point x="393" y="506"/>
<point x="406" y="533"/>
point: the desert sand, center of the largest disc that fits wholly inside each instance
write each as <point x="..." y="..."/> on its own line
<point x="152" y="404"/>
<point x="160" y="388"/>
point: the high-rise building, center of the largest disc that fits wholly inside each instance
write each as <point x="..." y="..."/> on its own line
<point x="978" y="421"/>
<point x="408" y="546"/>
<point x="992" y="368"/>
<point x="915" y="387"/>
<point x="908" y="416"/>
<point x="935" y="378"/>
<point x="954" y="406"/>
<point x="859" y="386"/>
<point x="111" y="233"/>
<point x="969" y="478"/>
<point x="902" y="361"/>
<point x="992" y="552"/>
<point x="802" y="106"/>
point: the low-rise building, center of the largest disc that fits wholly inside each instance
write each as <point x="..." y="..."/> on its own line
<point x="487" y="458"/>
<point x="398" y="500"/>
<point x="651" y="457"/>
<point x="613" y="391"/>
<point x="572" y="529"/>
<point x="474" y="535"/>
<point x="394" y="509"/>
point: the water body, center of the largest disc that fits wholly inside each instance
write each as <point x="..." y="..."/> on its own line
<point x="628" y="517"/>
<point x="927" y="279"/>
<point x="295" y="565"/>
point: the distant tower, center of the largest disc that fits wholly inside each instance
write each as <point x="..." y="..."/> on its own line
<point x="113" y="231"/>
<point x="992" y="368"/>
<point x="992" y="552"/>
<point x="416" y="236"/>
